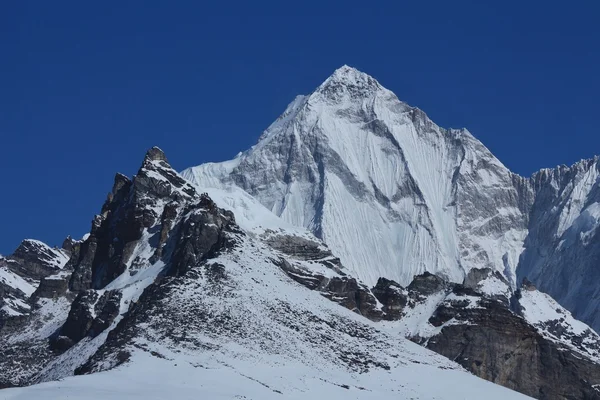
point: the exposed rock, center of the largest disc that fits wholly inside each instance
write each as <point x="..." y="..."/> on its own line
<point x="106" y="310"/>
<point x="155" y="154"/>
<point x="81" y="316"/>
<point x="68" y="244"/>
<point x="303" y="249"/>
<point x="168" y="216"/>
<point x="201" y="234"/>
<point x="427" y="284"/>
<point x="497" y="345"/>
<point x="52" y="287"/>
<point x="340" y="289"/>
<point x="90" y="314"/>
<point x="393" y="297"/>
<point x="81" y="279"/>
<point x="354" y="296"/>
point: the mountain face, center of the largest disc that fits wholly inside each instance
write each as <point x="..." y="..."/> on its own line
<point x="358" y="250"/>
<point x="170" y="287"/>
<point x="389" y="191"/>
<point x="394" y="195"/>
<point x="214" y="287"/>
<point x="562" y="250"/>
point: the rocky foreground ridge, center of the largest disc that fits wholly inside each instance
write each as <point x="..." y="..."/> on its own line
<point x="176" y="274"/>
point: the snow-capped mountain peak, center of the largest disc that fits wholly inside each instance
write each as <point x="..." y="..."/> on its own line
<point x="348" y="81"/>
<point x="395" y="195"/>
<point x="384" y="186"/>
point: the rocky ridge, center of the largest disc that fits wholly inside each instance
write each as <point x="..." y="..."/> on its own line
<point x="167" y="274"/>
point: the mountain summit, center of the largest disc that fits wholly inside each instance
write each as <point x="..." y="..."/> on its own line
<point x="395" y="195"/>
<point x="349" y="80"/>
<point x="388" y="190"/>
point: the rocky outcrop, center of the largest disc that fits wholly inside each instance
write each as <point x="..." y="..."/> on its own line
<point x="155" y="220"/>
<point x="485" y="337"/>
<point x="477" y="326"/>
<point x="130" y="208"/>
<point x="81" y="279"/>
<point x="344" y="290"/>
<point x="52" y="287"/>
<point x="89" y="316"/>
<point x="392" y="296"/>
<point x="354" y="296"/>
<point x="303" y="249"/>
<point x="426" y="284"/>
<point x="35" y="260"/>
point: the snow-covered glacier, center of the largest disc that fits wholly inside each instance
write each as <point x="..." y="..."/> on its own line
<point x="394" y="195"/>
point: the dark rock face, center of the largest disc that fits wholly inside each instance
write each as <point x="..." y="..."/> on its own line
<point x="168" y="216"/>
<point x="393" y="297"/>
<point x="81" y="316"/>
<point x="304" y="249"/>
<point x="90" y="314"/>
<point x="52" y="288"/>
<point x="500" y="346"/>
<point x="106" y="310"/>
<point x="354" y="296"/>
<point x="427" y="284"/>
<point x="343" y="290"/>
<point x="182" y="228"/>
<point x="129" y="209"/>
<point x="203" y="234"/>
<point x="81" y="278"/>
<point x="188" y="266"/>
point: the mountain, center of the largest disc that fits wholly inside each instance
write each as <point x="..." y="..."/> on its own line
<point x="217" y="293"/>
<point x="562" y="250"/>
<point x="389" y="191"/>
<point x="20" y="274"/>
<point x="394" y="195"/>
<point x="358" y="250"/>
<point x="175" y="296"/>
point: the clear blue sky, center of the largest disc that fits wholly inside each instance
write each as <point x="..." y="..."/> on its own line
<point x="86" y="88"/>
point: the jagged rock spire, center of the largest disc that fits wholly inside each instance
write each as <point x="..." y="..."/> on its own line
<point x="155" y="154"/>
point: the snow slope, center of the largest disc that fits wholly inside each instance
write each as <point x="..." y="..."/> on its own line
<point x="150" y="378"/>
<point x="15" y="281"/>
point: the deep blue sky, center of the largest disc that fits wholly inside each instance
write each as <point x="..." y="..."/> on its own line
<point x="86" y="89"/>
